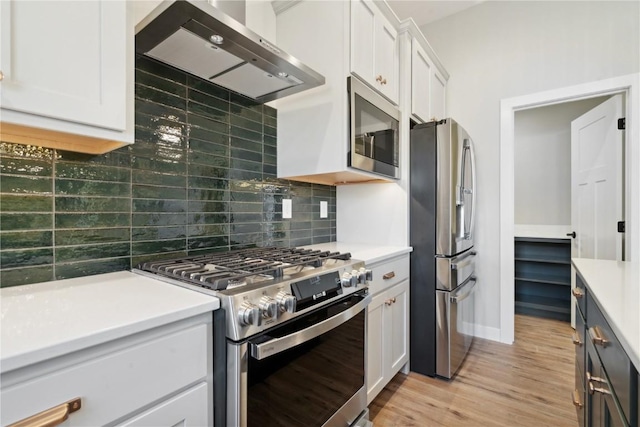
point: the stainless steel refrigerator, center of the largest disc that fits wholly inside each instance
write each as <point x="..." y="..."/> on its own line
<point x="442" y="187"/>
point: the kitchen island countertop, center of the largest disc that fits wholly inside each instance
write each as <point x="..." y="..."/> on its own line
<point x="367" y="252"/>
<point x="615" y="286"/>
<point x="45" y="320"/>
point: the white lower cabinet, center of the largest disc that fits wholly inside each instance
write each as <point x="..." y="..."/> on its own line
<point x="186" y="409"/>
<point x="388" y="324"/>
<point x="155" y="378"/>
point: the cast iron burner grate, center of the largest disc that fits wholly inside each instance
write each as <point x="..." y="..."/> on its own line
<point x="222" y="270"/>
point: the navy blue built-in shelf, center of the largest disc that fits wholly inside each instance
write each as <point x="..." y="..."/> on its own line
<point x="543" y="277"/>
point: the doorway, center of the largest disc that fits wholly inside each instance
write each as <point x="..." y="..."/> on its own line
<point x="628" y="85"/>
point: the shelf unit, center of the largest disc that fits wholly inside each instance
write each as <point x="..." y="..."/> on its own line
<point x="543" y="277"/>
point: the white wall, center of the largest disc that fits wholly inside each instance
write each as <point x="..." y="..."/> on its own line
<point x="499" y="50"/>
<point x="542" y="187"/>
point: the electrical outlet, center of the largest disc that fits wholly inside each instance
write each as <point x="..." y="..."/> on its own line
<point x="286" y="208"/>
<point x="324" y="209"/>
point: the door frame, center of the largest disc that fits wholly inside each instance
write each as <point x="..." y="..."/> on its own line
<point x="630" y="86"/>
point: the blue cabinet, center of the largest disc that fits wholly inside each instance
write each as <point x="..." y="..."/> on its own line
<point x="543" y="277"/>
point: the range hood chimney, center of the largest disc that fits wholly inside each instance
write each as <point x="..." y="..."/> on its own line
<point x="208" y="42"/>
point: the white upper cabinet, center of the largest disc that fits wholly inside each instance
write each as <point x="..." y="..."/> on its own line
<point x="66" y="67"/>
<point x="374" y="48"/>
<point x="313" y="126"/>
<point x="428" y="78"/>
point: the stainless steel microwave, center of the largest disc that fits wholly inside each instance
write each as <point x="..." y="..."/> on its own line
<point x="373" y="131"/>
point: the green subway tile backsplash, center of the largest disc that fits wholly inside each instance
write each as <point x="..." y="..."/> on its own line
<point x="201" y="177"/>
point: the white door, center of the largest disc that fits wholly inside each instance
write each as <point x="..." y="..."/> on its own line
<point x="597" y="174"/>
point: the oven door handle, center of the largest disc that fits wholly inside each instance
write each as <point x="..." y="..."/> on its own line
<point x="269" y="348"/>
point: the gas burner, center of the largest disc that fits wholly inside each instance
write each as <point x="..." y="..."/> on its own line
<point x="263" y="287"/>
<point x="227" y="270"/>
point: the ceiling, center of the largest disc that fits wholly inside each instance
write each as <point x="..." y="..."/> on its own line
<point x="427" y="11"/>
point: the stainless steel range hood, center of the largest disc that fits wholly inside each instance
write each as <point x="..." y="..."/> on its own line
<point x="201" y="39"/>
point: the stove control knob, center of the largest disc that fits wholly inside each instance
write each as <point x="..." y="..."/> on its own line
<point x="364" y="275"/>
<point x="249" y="314"/>
<point x="286" y="302"/>
<point x="348" y="280"/>
<point x="268" y="307"/>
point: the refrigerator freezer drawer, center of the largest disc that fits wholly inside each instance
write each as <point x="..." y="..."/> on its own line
<point x="455" y="320"/>
<point x="453" y="272"/>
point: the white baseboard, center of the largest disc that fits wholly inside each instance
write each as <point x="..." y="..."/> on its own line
<point x="487" y="333"/>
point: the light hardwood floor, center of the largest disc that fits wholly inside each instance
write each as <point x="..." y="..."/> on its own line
<point x="528" y="384"/>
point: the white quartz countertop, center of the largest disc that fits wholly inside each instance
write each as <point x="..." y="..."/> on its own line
<point x="369" y="253"/>
<point x="542" y="231"/>
<point x="46" y="320"/>
<point x="615" y="285"/>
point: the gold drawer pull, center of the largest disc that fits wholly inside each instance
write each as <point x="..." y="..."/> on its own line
<point x="593" y="389"/>
<point x="576" y="339"/>
<point x="390" y="275"/>
<point x="591" y="378"/>
<point x="577" y="292"/>
<point x="390" y="301"/>
<point x="51" y="417"/>
<point x="575" y="395"/>
<point x="597" y="338"/>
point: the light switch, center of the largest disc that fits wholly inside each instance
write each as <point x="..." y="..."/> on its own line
<point x="286" y="208"/>
<point x="324" y="209"/>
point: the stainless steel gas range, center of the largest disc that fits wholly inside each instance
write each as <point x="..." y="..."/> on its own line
<point x="295" y="320"/>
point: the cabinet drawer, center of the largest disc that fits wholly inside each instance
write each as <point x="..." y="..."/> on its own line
<point x="388" y="273"/>
<point x="578" y="340"/>
<point x="186" y="409"/>
<point x="614" y="360"/>
<point x="115" y="384"/>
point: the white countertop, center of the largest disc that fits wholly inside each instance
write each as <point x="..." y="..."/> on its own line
<point x="615" y="286"/>
<point x="542" y="231"/>
<point x="45" y="320"/>
<point x="367" y="252"/>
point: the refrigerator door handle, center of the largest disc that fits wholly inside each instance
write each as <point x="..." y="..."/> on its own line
<point x="468" y="233"/>
<point x="464" y="296"/>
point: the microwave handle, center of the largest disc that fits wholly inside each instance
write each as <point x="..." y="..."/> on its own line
<point x="269" y="348"/>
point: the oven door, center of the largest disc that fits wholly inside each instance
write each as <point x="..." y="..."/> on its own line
<point x="308" y="372"/>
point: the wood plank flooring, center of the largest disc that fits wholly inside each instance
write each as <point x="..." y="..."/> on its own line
<point x="526" y="384"/>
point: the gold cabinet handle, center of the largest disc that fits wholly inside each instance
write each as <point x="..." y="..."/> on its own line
<point x="591" y="378"/>
<point x="381" y="80"/>
<point x="390" y="301"/>
<point x="575" y="396"/>
<point x="576" y="339"/>
<point x="577" y="292"/>
<point x="601" y="390"/>
<point x="389" y="275"/>
<point x="597" y="338"/>
<point x="52" y="416"/>
<point x="1" y="76"/>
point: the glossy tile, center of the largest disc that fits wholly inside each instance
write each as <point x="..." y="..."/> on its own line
<point x="25" y="275"/>
<point x="25" y="239"/>
<point x="201" y="177"/>
<point x="25" y="257"/>
<point x="25" y="221"/>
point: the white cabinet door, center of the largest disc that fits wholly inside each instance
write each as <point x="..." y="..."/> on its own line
<point x="398" y="320"/>
<point x="387" y="61"/>
<point x="375" y="347"/>
<point x="421" y="71"/>
<point x="65" y="60"/>
<point x="387" y="337"/>
<point x="374" y="48"/>
<point x="438" y="95"/>
<point x="363" y="26"/>
<point x="186" y="409"/>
